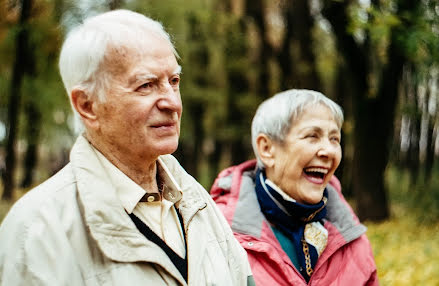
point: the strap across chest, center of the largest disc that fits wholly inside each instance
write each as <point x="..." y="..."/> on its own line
<point x="179" y="262"/>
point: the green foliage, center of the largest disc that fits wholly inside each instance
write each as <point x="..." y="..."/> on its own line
<point x="406" y="247"/>
<point x="406" y="252"/>
<point x="419" y="40"/>
<point x="219" y="55"/>
<point x="4" y="208"/>
<point x="215" y="47"/>
<point x="44" y="88"/>
<point x="325" y="49"/>
<point x="420" y="197"/>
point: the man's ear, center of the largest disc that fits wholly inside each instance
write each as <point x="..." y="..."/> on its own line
<point x="85" y="106"/>
<point x="266" y="148"/>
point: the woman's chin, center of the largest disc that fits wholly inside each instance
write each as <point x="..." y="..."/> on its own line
<point x="315" y="199"/>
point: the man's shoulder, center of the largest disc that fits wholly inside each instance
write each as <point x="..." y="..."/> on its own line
<point x="38" y="227"/>
<point x="44" y="198"/>
<point x="60" y="182"/>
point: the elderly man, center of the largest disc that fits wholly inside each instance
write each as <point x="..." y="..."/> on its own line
<point x="123" y="211"/>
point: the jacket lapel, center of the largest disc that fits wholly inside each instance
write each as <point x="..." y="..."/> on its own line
<point x="109" y="225"/>
<point x="191" y="202"/>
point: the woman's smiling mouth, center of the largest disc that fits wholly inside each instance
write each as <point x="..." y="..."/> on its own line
<point x="316" y="175"/>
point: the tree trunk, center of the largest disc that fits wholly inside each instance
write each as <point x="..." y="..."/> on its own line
<point x="256" y="10"/>
<point x="304" y="59"/>
<point x="115" y="4"/>
<point x="199" y="59"/>
<point x="413" y="163"/>
<point x="32" y="133"/>
<point x="284" y="57"/>
<point x="192" y="152"/>
<point x="371" y="132"/>
<point x="296" y="58"/>
<point x="19" y="70"/>
<point x="429" y="152"/>
<point x="214" y="160"/>
<point x="238" y="85"/>
<point x="373" y="137"/>
<point x="430" y="157"/>
<point x="344" y="170"/>
<point x="374" y="115"/>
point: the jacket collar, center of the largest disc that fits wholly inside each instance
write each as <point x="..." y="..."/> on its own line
<point x="248" y="218"/>
<point x="108" y="223"/>
<point x="192" y="201"/>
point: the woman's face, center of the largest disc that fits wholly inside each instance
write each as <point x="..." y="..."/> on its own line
<point x="303" y="164"/>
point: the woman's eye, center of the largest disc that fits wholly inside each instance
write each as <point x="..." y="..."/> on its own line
<point x="335" y="139"/>
<point x="312" y="135"/>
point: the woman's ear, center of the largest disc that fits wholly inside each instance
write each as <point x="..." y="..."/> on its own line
<point x="85" y="106"/>
<point x="265" y="147"/>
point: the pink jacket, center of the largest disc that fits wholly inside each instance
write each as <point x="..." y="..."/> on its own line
<point x="347" y="259"/>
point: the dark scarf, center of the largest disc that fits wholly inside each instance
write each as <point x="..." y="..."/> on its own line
<point x="291" y="218"/>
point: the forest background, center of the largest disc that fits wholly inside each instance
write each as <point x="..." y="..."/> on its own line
<point x="379" y="59"/>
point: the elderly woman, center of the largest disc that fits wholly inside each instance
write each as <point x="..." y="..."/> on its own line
<point x="286" y="209"/>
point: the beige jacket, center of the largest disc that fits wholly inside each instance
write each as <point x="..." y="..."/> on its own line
<point x="72" y="230"/>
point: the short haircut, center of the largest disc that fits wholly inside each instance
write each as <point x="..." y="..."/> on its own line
<point x="275" y="116"/>
<point x="85" y="48"/>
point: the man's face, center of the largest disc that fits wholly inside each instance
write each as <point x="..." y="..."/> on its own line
<point x="140" y="118"/>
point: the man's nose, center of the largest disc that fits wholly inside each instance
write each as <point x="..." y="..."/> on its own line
<point x="169" y="98"/>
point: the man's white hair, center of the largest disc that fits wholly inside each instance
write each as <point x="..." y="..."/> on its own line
<point x="86" y="45"/>
<point x="275" y="116"/>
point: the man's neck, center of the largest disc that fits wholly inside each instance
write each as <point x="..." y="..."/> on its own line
<point x="143" y="174"/>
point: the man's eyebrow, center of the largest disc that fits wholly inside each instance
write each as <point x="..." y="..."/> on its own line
<point x="141" y="77"/>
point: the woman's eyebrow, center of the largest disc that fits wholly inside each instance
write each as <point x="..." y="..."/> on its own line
<point x="311" y="128"/>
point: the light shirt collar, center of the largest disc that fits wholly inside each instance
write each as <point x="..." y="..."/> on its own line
<point x="279" y="191"/>
<point x="130" y="193"/>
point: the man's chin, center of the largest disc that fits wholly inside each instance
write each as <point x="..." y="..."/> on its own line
<point x="168" y="148"/>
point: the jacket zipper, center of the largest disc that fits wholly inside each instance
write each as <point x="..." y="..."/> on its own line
<point x="186" y="228"/>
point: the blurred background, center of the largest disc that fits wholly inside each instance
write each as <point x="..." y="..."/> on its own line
<point x="379" y="59"/>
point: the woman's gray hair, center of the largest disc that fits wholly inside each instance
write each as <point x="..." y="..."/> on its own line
<point x="85" y="48"/>
<point x="275" y="116"/>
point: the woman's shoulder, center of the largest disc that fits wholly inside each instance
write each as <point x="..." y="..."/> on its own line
<point x="335" y="182"/>
<point x="229" y="180"/>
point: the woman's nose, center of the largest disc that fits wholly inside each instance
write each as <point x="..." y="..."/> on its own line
<point x="327" y="149"/>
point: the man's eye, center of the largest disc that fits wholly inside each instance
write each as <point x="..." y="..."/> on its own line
<point x="175" y="81"/>
<point x="311" y="135"/>
<point x="146" y="85"/>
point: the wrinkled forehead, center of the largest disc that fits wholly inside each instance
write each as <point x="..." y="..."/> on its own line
<point x="310" y="111"/>
<point x="310" y="106"/>
<point x="121" y="55"/>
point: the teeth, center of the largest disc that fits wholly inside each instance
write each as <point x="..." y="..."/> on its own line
<point x="319" y="170"/>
